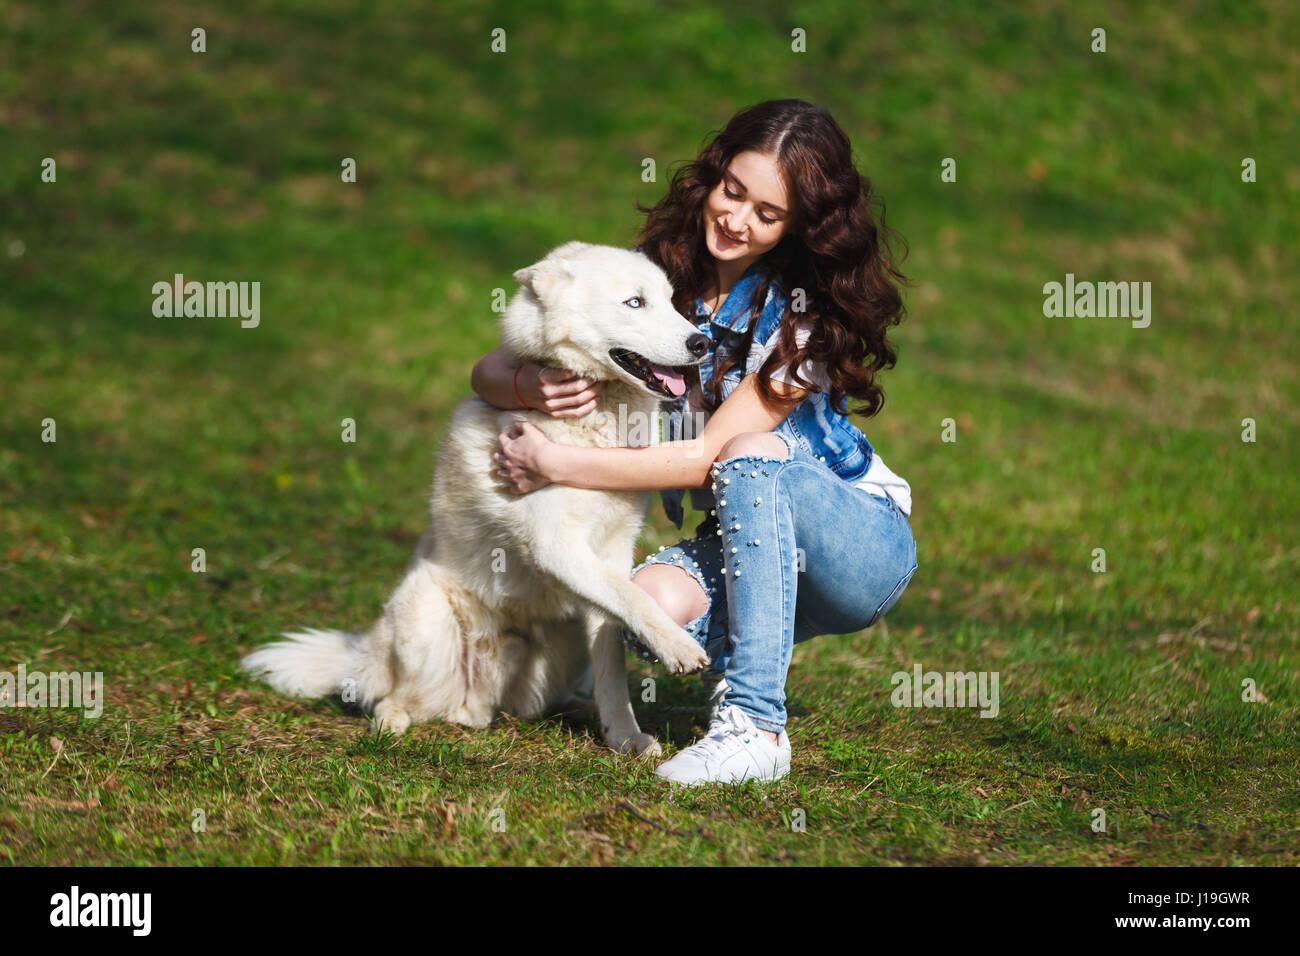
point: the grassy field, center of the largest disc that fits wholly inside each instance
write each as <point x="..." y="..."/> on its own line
<point x="1121" y="690"/>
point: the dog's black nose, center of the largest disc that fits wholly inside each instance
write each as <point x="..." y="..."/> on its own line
<point x="698" y="343"/>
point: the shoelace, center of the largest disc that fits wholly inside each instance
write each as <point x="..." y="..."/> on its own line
<point x="730" y="723"/>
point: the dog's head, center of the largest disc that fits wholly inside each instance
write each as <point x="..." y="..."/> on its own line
<point x="606" y="313"/>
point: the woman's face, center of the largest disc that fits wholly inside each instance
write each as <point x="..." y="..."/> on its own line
<point x="748" y="211"/>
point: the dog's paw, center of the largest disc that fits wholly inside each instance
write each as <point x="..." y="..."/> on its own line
<point x="389" y="716"/>
<point x="684" y="656"/>
<point x="643" y="745"/>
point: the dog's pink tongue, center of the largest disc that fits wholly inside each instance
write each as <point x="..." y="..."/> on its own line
<point x="672" y="380"/>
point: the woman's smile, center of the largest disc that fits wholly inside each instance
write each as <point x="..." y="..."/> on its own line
<point x="725" y="239"/>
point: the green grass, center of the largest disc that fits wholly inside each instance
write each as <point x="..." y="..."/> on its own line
<point x="1120" y="691"/>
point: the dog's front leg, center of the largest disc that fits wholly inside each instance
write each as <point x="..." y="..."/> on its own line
<point x="609" y="670"/>
<point x="580" y="570"/>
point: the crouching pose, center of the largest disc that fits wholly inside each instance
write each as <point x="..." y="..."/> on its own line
<point x="770" y="245"/>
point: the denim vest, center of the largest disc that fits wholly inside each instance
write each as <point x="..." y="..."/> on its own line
<point x="813" y="424"/>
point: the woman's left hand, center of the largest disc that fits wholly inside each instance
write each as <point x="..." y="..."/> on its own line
<point x="521" y="460"/>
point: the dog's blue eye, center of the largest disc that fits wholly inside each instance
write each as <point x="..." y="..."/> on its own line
<point x="635" y="302"/>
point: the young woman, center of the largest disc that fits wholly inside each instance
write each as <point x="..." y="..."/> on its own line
<point x="770" y="244"/>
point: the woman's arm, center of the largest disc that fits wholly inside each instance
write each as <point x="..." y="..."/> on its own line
<point x="532" y="460"/>
<point x="555" y="391"/>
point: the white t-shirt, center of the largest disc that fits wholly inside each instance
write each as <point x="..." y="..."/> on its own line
<point x="879" y="480"/>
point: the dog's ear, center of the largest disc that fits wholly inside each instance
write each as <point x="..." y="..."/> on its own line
<point x="542" y="278"/>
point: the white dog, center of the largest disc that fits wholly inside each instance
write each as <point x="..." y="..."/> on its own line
<point x="512" y="600"/>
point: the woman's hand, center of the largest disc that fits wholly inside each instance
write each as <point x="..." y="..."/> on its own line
<point x="524" y="458"/>
<point x="557" y="391"/>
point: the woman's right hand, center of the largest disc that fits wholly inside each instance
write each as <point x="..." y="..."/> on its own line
<point x="557" y="391"/>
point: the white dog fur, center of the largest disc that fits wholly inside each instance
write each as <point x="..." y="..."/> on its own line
<point x="513" y="600"/>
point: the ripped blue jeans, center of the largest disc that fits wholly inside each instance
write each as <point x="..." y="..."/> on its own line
<point x="790" y="552"/>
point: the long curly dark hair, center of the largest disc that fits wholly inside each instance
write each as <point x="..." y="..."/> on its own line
<point x="833" y="250"/>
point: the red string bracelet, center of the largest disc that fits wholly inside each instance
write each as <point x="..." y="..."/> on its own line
<point x="517" y="395"/>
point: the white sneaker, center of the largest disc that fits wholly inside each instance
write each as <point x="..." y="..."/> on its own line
<point x="733" y="750"/>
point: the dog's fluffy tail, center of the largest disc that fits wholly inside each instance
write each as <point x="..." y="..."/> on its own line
<point x="313" y="663"/>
